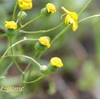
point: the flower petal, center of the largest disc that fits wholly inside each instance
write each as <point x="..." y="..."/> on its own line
<point x="65" y="10"/>
<point x="75" y="26"/>
<point x="44" y="41"/>
<point x="11" y="25"/>
<point x="74" y="16"/>
<point x="51" y="8"/>
<point x="67" y="19"/>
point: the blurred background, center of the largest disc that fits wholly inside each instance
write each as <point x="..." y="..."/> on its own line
<point x="80" y="52"/>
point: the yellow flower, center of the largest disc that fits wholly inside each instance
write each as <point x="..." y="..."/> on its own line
<point x="11" y="25"/>
<point x="28" y="1"/>
<point x="50" y="8"/>
<point x="71" y="18"/>
<point x="56" y="61"/>
<point x="25" y="4"/>
<point x="44" y="41"/>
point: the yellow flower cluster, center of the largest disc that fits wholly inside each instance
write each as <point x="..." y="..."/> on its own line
<point x="71" y="18"/>
<point x="50" y="8"/>
<point x="11" y="25"/>
<point x="56" y="61"/>
<point x="25" y="4"/>
<point x="45" y="41"/>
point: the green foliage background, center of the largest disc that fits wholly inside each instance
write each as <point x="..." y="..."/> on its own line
<point x="80" y="50"/>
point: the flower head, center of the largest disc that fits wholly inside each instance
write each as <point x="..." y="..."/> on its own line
<point x="56" y="61"/>
<point x="71" y="18"/>
<point x="50" y="8"/>
<point x="45" y="41"/>
<point x="25" y="4"/>
<point x="28" y="1"/>
<point x="11" y="25"/>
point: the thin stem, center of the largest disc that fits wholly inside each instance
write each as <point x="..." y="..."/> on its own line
<point x="13" y="58"/>
<point x="2" y="35"/>
<point x="28" y="22"/>
<point x="5" y="71"/>
<point x="27" y="66"/>
<point x="28" y="57"/>
<point x="31" y="68"/>
<point x="36" y="79"/>
<point x="93" y="16"/>
<point x="13" y="16"/>
<point x="30" y="63"/>
<point x="42" y="31"/>
<point x="29" y="74"/>
<point x="23" y="84"/>
<point x="10" y="40"/>
<point x="18" y="66"/>
<point x="84" y="7"/>
<point x="25" y="39"/>
<point x="61" y="33"/>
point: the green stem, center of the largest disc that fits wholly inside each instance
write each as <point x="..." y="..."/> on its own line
<point x="61" y="33"/>
<point x="28" y="57"/>
<point x="13" y="16"/>
<point x="36" y="79"/>
<point x="84" y="7"/>
<point x="29" y="22"/>
<point x="2" y="35"/>
<point x="25" y="39"/>
<point x="93" y="16"/>
<point x="18" y="66"/>
<point x="23" y="84"/>
<point x="29" y="63"/>
<point x="29" y="74"/>
<point x="31" y="68"/>
<point x="13" y="58"/>
<point x="10" y="40"/>
<point x="42" y="31"/>
<point x="5" y="71"/>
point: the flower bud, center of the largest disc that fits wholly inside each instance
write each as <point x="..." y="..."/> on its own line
<point x="52" y="68"/>
<point x="10" y="33"/>
<point x="50" y="8"/>
<point x="44" y="42"/>
<point x="39" y="47"/>
<point x="45" y="13"/>
<point x="55" y="63"/>
<point x="11" y="26"/>
<point x="22" y="14"/>
<point x="43" y="68"/>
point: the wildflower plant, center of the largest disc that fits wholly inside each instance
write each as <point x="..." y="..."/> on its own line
<point x="43" y="43"/>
